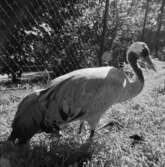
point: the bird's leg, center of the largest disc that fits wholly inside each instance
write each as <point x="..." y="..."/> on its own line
<point x="92" y="134"/>
<point x="93" y="123"/>
<point x="80" y="128"/>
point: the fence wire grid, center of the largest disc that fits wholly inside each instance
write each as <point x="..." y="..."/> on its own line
<point x="39" y="36"/>
<point x="54" y="37"/>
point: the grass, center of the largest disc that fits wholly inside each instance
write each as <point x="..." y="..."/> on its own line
<point x="112" y="147"/>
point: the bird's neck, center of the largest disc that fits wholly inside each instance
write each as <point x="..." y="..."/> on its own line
<point x="136" y="86"/>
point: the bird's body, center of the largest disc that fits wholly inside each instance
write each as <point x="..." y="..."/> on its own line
<point x="84" y="95"/>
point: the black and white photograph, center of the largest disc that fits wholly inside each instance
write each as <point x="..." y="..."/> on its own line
<point x="82" y="83"/>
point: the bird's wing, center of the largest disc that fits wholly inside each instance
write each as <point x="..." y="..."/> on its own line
<point x="71" y="95"/>
<point x="86" y="73"/>
<point x="27" y="101"/>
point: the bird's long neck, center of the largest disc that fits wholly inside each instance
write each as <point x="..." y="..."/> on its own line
<point x="135" y="87"/>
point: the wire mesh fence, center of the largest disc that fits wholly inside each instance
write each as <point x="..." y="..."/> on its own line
<point x="60" y="36"/>
<point x="41" y="36"/>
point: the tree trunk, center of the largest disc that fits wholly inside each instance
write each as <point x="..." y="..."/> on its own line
<point x="103" y="33"/>
<point x="14" y="78"/>
<point x="145" y="19"/>
<point x="159" y="24"/>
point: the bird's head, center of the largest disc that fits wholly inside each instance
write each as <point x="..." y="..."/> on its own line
<point x="27" y="120"/>
<point x="140" y="52"/>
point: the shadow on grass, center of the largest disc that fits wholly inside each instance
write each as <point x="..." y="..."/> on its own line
<point x="56" y="155"/>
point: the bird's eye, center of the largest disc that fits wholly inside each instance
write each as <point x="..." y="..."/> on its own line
<point x="145" y="52"/>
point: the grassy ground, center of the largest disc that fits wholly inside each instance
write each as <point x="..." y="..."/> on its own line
<point x="143" y="116"/>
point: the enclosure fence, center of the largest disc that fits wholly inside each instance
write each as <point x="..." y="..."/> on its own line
<point x="39" y="35"/>
<point x="54" y="37"/>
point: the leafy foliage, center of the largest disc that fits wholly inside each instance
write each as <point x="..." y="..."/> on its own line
<point x="64" y="36"/>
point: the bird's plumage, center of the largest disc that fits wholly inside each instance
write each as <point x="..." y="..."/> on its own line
<point x="27" y="119"/>
<point x="87" y="92"/>
<point x="84" y="95"/>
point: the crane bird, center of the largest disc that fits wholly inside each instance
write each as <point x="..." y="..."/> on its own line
<point x="84" y="95"/>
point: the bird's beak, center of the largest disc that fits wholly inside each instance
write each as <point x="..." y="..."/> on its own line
<point x="149" y="63"/>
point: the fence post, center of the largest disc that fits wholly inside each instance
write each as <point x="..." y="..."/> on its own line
<point x="101" y="50"/>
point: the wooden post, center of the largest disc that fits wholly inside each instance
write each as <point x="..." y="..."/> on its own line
<point x="145" y="20"/>
<point x="100" y="53"/>
<point x="159" y="24"/>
